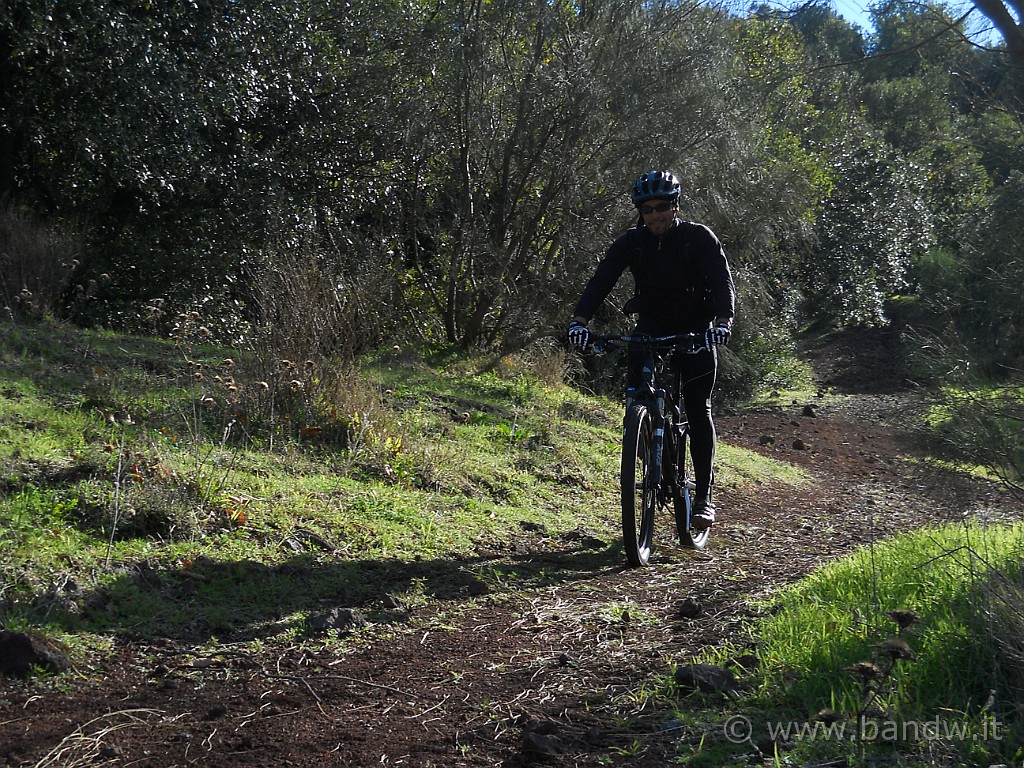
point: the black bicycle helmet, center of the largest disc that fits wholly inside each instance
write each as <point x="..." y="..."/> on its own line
<point x="655" y="185"/>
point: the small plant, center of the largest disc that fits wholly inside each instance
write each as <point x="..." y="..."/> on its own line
<point x="636" y="748"/>
<point x="115" y="510"/>
<point x="878" y="678"/>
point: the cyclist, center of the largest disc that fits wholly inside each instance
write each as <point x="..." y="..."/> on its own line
<point x="682" y="284"/>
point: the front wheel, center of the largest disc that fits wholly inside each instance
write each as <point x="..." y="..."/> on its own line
<point x="639" y="488"/>
<point x="682" y="504"/>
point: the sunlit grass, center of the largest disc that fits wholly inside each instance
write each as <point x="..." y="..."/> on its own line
<point x="741" y="466"/>
<point x="908" y="650"/>
<point x="143" y="497"/>
<point x="824" y="628"/>
<point x="834" y="616"/>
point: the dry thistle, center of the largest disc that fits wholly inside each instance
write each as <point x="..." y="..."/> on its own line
<point x="828" y="716"/>
<point x="895" y="648"/>
<point x="865" y="670"/>
<point x="904" y="618"/>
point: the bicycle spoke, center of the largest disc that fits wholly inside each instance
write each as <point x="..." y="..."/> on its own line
<point x="682" y="504"/>
<point x="638" y="488"/>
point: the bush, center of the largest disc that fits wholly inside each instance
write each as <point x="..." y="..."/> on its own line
<point x="313" y="310"/>
<point x="36" y="263"/>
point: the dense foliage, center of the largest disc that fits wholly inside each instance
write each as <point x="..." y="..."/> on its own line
<point x="451" y="171"/>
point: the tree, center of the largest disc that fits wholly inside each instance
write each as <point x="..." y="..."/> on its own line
<point x="523" y="147"/>
<point x="872" y="226"/>
<point x="1008" y="18"/>
<point x="183" y="136"/>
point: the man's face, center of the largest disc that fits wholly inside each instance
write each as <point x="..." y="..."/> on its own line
<point x="658" y="215"/>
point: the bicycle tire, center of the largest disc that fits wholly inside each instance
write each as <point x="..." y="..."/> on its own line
<point x="639" y="488"/>
<point x="682" y="504"/>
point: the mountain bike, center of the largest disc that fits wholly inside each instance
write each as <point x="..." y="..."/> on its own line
<point x="656" y="470"/>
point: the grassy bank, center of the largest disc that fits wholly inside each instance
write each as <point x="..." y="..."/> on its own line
<point x="167" y="488"/>
<point x="907" y="651"/>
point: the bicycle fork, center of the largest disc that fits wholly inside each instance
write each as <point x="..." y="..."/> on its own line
<point x="658" y="455"/>
<point x="669" y="436"/>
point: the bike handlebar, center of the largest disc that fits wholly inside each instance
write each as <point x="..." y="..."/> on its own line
<point x="690" y="343"/>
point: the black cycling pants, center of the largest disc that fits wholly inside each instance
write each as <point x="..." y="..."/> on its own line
<point x="699" y="372"/>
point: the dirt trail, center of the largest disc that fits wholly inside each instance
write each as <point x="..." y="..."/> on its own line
<point x="545" y="676"/>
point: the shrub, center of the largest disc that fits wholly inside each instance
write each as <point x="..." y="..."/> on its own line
<point x="36" y="263"/>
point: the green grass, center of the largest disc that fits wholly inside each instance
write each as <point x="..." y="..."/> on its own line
<point x="159" y="488"/>
<point x="835" y="617"/>
<point x="834" y="642"/>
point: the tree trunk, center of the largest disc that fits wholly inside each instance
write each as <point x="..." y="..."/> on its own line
<point x="1012" y="32"/>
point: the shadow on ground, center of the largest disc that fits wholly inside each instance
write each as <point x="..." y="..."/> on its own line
<point x="241" y="600"/>
<point x="860" y="361"/>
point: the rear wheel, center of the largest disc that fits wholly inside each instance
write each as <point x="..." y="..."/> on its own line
<point x="638" y="486"/>
<point x="682" y="504"/>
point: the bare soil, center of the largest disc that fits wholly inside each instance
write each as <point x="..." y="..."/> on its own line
<point x="549" y="675"/>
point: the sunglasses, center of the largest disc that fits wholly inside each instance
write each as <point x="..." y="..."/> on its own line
<point x="646" y="210"/>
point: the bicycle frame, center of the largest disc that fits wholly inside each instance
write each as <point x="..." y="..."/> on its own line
<point x="651" y="393"/>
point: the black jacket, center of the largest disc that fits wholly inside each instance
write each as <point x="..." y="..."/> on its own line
<point x="682" y="279"/>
